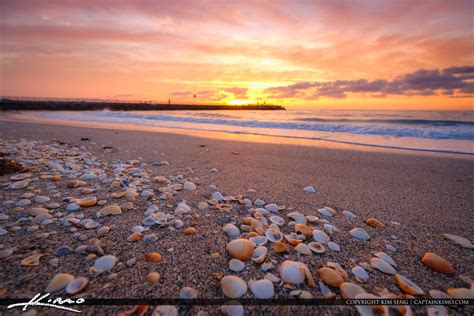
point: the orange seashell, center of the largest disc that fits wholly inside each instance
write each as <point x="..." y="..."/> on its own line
<point x="55" y="178"/>
<point x="437" y="263"/>
<point x="408" y="286"/>
<point x="135" y="236"/>
<point x="190" y="231"/>
<point x="153" y="257"/>
<point x="32" y="260"/>
<point x="87" y="201"/>
<point x="331" y="276"/>
<point x="304" y="229"/>
<point x="241" y="249"/>
<point x="252" y="234"/>
<point x="375" y="222"/>
<point x="280" y="247"/>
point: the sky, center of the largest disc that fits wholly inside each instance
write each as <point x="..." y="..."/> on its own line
<point x="303" y="54"/>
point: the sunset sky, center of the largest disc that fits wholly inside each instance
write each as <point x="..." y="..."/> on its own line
<point x="312" y="54"/>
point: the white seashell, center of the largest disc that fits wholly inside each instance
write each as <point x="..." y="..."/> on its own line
<point x="325" y="212"/>
<point x="259" y="202"/>
<point x="165" y="310"/>
<point x="230" y="310"/>
<point x="262" y="289"/>
<point x="359" y="233"/>
<point x="231" y="230"/>
<point x="382" y="266"/>
<point x="272" y="207"/>
<point x="316" y="247"/>
<point x="349" y="215"/>
<point x="327" y="293"/>
<point x="309" y="189"/>
<point x="333" y="246"/>
<point x="189" y="186"/>
<point x="236" y="265"/>
<point x="275" y="227"/>
<point x="149" y="221"/>
<point x="463" y="242"/>
<point x="259" y="254"/>
<point x="177" y="223"/>
<point x="138" y="229"/>
<point x="303" y="249"/>
<point x="262" y="211"/>
<point x="386" y="258"/>
<point x="182" y="208"/>
<point x="277" y="220"/>
<point x="390" y="248"/>
<point x="105" y="263"/>
<point x="202" y="206"/>
<point x="292" y="272"/>
<point x="217" y="196"/>
<point x="330" y="228"/>
<point x="320" y="236"/>
<point x="297" y="217"/>
<point x="350" y="290"/>
<point x="188" y="293"/>
<point x="233" y="286"/>
<point x="273" y="235"/>
<point x="360" y="274"/>
<point x="76" y="285"/>
<point x="312" y="219"/>
<point x="151" y="209"/>
<point x="258" y="240"/>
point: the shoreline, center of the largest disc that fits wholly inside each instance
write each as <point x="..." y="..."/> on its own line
<point x="428" y="195"/>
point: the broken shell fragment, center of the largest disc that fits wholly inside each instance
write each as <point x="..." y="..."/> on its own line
<point x="259" y="254"/>
<point x="32" y="260"/>
<point x="408" y="286"/>
<point x="277" y="220"/>
<point x="437" y="263"/>
<point x="241" y="249"/>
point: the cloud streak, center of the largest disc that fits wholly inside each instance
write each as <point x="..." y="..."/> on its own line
<point x="447" y="82"/>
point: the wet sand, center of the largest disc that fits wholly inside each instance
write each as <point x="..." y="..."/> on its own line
<point x="428" y="194"/>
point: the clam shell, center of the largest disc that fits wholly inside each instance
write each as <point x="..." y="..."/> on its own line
<point x="280" y="247"/>
<point x="259" y="240"/>
<point x="360" y="274"/>
<point x="277" y="220"/>
<point x="233" y="286"/>
<point x="375" y="222"/>
<point x="189" y="186"/>
<point x="312" y="219"/>
<point x="386" y="258"/>
<point x="259" y="254"/>
<point x="331" y="276"/>
<point x="325" y="212"/>
<point x="316" y="247"/>
<point x="320" y="236"/>
<point x="303" y="249"/>
<point x="292" y="272"/>
<point x="236" y="265"/>
<point x="153" y="257"/>
<point x="110" y="210"/>
<point x="87" y="201"/>
<point x="359" y="233"/>
<point x="382" y="266"/>
<point x="59" y="282"/>
<point x="217" y="196"/>
<point x="294" y="239"/>
<point x="241" y="249"/>
<point x="262" y="289"/>
<point x="463" y="242"/>
<point x="105" y="263"/>
<point x="76" y="285"/>
<point x="350" y="290"/>
<point x="297" y="217"/>
<point x="437" y="263"/>
<point x="135" y="236"/>
<point x="259" y="202"/>
<point x="32" y="261"/>
<point x="330" y="228"/>
<point x="408" y="286"/>
<point x="333" y="246"/>
<point x="231" y="230"/>
<point x="272" y="207"/>
<point x="304" y="229"/>
<point x="273" y="235"/>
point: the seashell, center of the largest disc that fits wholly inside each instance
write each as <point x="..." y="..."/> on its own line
<point x="118" y="195"/>
<point x="76" y="285"/>
<point x="137" y="229"/>
<point x="350" y="290"/>
<point x="280" y="247"/>
<point x="259" y="254"/>
<point x="91" y="224"/>
<point x="21" y="176"/>
<point x="349" y="215"/>
<point x="298" y="218"/>
<point x="359" y="233"/>
<point x="135" y="236"/>
<point x="369" y="309"/>
<point x="41" y="199"/>
<point x="182" y="208"/>
<point x="177" y="223"/>
<point x="439" y="295"/>
<point x="189" y="186"/>
<point x="273" y="235"/>
<point x="241" y="249"/>
<point x="105" y="263"/>
<point x="386" y="258"/>
<point x="320" y="236"/>
<point x="330" y="228"/>
<point x="188" y="293"/>
<point x="331" y="276"/>
<point x="231" y="230"/>
<point x="104" y="230"/>
<point x="62" y="251"/>
<point x="259" y="240"/>
<point x="303" y="249"/>
<point x="32" y="261"/>
<point x="301" y="294"/>
<point x="256" y="224"/>
<point x="316" y="247"/>
<point x="76" y="183"/>
<point x="327" y="293"/>
<point x="232" y="310"/>
<point x="272" y="207"/>
<point x="309" y="189"/>
<point x="149" y="221"/>
<point x="390" y="248"/>
<point x="382" y="266"/>
<point x="72" y="207"/>
<point x="110" y="210"/>
<point x="217" y="196"/>
<point x="360" y="274"/>
<point x="35" y="211"/>
<point x="236" y="265"/>
<point x="5" y="253"/>
<point x="304" y="229"/>
<point x="190" y="231"/>
<point x="153" y="277"/>
<point x="262" y="289"/>
<point x="312" y="219"/>
<point x="233" y="286"/>
<point x="461" y="293"/>
<point x="87" y="201"/>
<point x="23" y="202"/>
<point x="408" y="286"/>
<point x="375" y="222"/>
<point x="202" y="206"/>
<point x="59" y="282"/>
<point x="294" y="239"/>
<point x="277" y="220"/>
<point x="325" y="212"/>
<point x="153" y="257"/>
<point x="437" y="263"/>
<point x="20" y="184"/>
<point x="259" y="202"/>
<point x="333" y="246"/>
<point x="292" y="272"/>
<point x="463" y="242"/>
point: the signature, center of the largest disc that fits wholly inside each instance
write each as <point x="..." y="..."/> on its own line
<point x="54" y="303"/>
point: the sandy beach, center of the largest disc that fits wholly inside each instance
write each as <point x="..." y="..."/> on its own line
<point x="418" y="196"/>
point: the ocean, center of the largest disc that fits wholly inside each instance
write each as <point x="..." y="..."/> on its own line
<point x="436" y="131"/>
